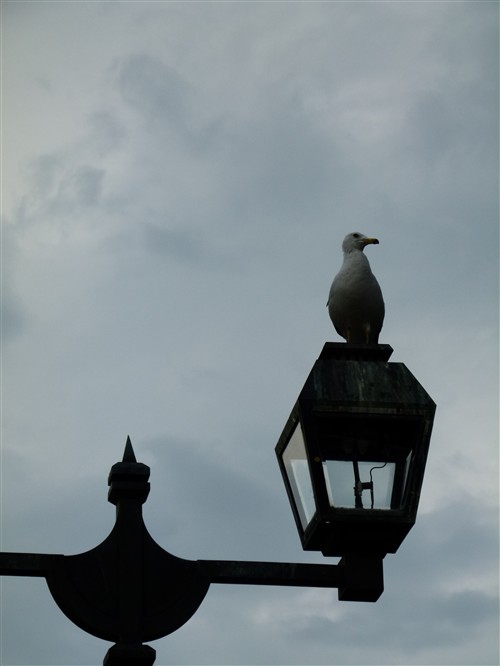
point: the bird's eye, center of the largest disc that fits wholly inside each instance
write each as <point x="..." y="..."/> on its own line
<point x="355" y="235"/>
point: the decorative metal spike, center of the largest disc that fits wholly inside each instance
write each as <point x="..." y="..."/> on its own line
<point x="128" y="454"/>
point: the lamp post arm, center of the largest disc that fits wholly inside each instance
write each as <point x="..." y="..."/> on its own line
<point x="27" y="564"/>
<point x="273" y="573"/>
<point x="358" y="577"/>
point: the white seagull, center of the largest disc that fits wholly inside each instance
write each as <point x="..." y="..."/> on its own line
<point x="355" y="303"/>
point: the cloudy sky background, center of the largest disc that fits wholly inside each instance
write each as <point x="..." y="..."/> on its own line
<point x="177" y="180"/>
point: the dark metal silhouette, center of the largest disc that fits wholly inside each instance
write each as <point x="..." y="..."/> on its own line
<point x="129" y="590"/>
<point x="354" y="407"/>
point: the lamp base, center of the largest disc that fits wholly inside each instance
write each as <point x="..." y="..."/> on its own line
<point x="363" y="577"/>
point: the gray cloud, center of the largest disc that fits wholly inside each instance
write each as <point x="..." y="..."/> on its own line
<point x="106" y="133"/>
<point x="86" y="185"/>
<point x="14" y="318"/>
<point x="155" y="90"/>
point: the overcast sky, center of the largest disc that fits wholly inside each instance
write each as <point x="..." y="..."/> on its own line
<point x="177" y="181"/>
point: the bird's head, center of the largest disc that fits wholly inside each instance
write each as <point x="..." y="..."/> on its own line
<point x="357" y="241"/>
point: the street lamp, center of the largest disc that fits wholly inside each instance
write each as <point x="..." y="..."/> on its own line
<point x="352" y="456"/>
<point x="353" y="452"/>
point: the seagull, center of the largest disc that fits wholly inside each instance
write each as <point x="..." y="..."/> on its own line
<point x="355" y="303"/>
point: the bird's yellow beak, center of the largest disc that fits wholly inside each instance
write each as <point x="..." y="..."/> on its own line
<point x="370" y="241"/>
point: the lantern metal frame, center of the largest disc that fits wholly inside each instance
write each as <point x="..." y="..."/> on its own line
<point x="356" y="407"/>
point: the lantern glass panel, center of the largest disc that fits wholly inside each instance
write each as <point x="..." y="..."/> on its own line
<point x="378" y="485"/>
<point x="297" y="470"/>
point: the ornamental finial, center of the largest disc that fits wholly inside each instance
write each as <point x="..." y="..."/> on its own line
<point x="128" y="454"/>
